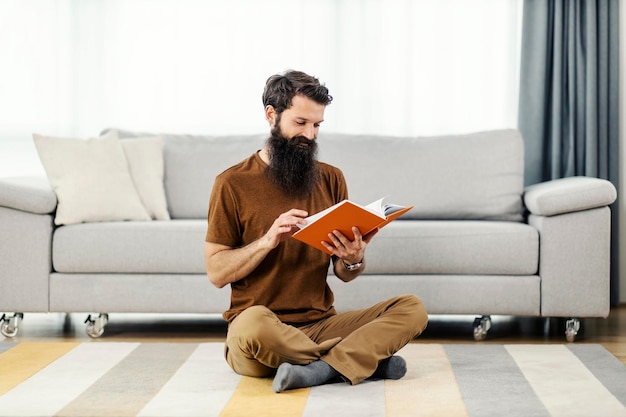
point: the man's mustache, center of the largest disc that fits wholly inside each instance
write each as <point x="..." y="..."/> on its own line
<point x="300" y="141"/>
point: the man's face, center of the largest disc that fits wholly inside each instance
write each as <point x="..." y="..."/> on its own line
<point x="291" y="146"/>
<point x="303" y="118"/>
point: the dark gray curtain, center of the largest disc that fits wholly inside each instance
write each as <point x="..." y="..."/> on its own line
<point x="569" y="92"/>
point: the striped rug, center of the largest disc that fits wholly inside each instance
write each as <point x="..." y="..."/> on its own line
<point x="100" y="378"/>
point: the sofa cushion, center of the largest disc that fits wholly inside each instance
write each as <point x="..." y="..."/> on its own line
<point x="472" y="176"/>
<point x="91" y="179"/>
<point x="402" y="247"/>
<point x="454" y="247"/>
<point x="130" y="247"/>
<point x="145" y="163"/>
<point x="191" y="164"/>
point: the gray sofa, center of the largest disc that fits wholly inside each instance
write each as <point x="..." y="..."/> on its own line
<point x="476" y="243"/>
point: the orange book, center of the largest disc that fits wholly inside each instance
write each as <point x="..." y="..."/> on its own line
<point x="342" y="216"/>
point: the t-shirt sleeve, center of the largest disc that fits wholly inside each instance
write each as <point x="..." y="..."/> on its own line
<point x="222" y="220"/>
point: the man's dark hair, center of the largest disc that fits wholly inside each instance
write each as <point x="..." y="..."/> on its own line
<point x="280" y="89"/>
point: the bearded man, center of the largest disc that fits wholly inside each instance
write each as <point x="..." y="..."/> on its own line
<point x="282" y="322"/>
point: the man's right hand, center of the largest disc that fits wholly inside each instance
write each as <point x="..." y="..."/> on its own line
<point x="285" y="226"/>
<point x="225" y="265"/>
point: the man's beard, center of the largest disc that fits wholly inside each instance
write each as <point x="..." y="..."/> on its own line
<point x="293" y="163"/>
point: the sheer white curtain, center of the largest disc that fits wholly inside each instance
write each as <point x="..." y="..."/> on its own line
<point x="401" y="67"/>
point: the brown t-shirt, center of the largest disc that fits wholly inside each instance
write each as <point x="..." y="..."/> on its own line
<point x="291" y="280"/>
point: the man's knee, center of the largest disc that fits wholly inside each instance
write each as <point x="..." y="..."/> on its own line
<point x="416" y="311"/>
<point x="244" y="340"/>
<point x="252" y="323"/>
<point x="252" y="315"/>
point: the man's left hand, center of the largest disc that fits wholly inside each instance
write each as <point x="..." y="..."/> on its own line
<point x="350" y="251"/>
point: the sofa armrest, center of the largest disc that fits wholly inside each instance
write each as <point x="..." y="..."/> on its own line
<point x="574" y="262"/>
<point x="567" y="195"/>
<point x="25" y="260"/>
<point x="26" y="226"/>
<point x="573" y="218"/>
<point x="30" y="194"/>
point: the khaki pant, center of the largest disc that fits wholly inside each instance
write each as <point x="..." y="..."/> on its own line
<point x="353" y="343"/>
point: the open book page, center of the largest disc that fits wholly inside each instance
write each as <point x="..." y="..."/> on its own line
<point x="383" y="209"/>
<point x="320" y="214"/>
<point x="343" y="216"/>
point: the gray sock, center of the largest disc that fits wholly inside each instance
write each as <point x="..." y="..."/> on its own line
<point x="393" y="367"/>
<point x="290" y="376"/>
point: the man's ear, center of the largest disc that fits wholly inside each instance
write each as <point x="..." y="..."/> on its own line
<point x="270" y="114"/>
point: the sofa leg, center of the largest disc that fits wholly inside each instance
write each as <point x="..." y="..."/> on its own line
<point x="481" y="327"/>
<point x="11" y="325"/>
<point x="95" y="326"/>
<point x="572" y="326"/>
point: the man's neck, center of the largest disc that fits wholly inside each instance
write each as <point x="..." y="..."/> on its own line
<point x="264" y="154"/>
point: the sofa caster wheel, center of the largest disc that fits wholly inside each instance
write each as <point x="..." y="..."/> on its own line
<point x="481" y="327"/>
<point x="11" y="325"/>
<point x="95" y="326"/>
<point x="572" y="326"/>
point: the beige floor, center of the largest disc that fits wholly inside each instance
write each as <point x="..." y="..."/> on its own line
<point x="610" y="332"/>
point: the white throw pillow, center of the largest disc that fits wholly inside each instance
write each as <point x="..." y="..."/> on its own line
<point x="91" y="179"/>
<point x="145" y="162"/>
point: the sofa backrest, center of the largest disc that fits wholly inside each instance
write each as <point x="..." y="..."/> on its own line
<point x="191" y="163"/>
<point x="473" y="176"/>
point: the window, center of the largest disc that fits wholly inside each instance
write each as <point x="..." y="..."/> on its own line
<point x="400" y="67"/>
